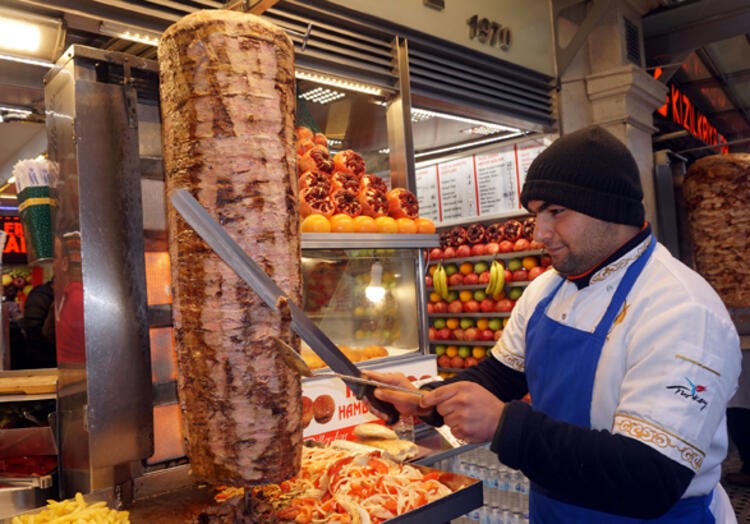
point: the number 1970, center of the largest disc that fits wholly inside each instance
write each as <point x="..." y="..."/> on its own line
<point x="489" y="32"/>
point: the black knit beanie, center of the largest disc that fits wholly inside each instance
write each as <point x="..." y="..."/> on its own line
<point x="589" y="171"/>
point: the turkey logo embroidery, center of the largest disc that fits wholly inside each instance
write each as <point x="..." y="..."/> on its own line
<point x="690" y="392"/>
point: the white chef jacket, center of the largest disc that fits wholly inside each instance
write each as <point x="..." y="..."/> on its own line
<point x="670" y="363"/>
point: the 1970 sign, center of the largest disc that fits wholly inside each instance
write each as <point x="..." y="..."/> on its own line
<point x="489" y="32"/>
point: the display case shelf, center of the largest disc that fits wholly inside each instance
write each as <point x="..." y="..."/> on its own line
<point x="520" y="283"/>
<point x="368" y="241"/>
<point x="488" y="343"/>
<point x="484" y="258"/>
<point x="448" y="314"/>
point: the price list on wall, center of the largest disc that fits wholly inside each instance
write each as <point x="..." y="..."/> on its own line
<point x="526" y="154"/>
<point x="496" y="181"/>
<point x="458" y="195"/>
<point x="427" y="189"/>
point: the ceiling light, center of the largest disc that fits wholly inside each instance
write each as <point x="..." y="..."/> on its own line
<point x="27" y="35"/>
<point x="322" y="95"/>
<point x="26" y="60"/>
<point x="425" y="114"/>
<point x="337" y="82"/>
<point x="468" y="145"/>
<point x="133" y="34"/>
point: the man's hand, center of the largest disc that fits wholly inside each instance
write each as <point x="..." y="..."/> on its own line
<point x="471" y="411"/>
<point x="404" y="403"/>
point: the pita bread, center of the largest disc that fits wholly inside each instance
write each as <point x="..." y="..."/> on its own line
<point x="397" y="449"/>
<point x="373" y="430"/>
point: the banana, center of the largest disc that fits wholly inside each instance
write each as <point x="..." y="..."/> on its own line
<point x="440" y="281"/>
<point x="497" y="278"/>
<point x="493" y="279"/>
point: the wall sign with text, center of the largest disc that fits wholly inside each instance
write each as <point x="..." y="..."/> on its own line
<point x="14" y="251"/>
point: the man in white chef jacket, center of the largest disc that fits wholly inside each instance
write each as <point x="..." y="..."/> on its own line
<point x="629" y="357"/>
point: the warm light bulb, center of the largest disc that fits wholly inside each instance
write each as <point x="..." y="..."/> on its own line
<point x="19" y="36"/>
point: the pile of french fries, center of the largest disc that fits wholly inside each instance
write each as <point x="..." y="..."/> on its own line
<point x="75" y="511"/>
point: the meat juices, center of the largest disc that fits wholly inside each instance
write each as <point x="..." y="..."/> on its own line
<point x="227" y="102"/>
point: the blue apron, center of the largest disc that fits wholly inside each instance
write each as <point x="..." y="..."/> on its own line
<point x="564" y="393"/>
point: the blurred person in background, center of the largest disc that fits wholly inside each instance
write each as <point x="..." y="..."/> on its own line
<point x="38" y="327"/>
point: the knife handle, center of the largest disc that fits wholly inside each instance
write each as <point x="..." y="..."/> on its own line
<point x="383" y="407"/>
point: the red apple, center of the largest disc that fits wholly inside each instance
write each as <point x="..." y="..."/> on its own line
<point x="458" y="334"/>
<point x="444" y="361"/>
<point x="492" y="248"/>
<point x="445" y="334"/>
<point x="521" y="245"/>
<point x="436" y="253"/>
<point x="441" y="307"/>
<point x="506" y="246"/>
<point x="508" y="275"/>
<point x="432" y="333"/>
<point x="478" y="250"/>
<point x="428" y="280"/>
<point x="457" y="362"/>
<point x="470" y="361"/>
<point x="449" y="252"/>
<point x="471" y="334"/>
<point x="498" y="334"/>
<point x="504" y="305"/>
<point x="456" y="279"/>
<point x="455" y="306"/>
<point x="463" y="251"/>
<point x="520" y="275"/>
<point x="484" y="277"/>
<point x="535" y="272"/>
<point x="487" y="305"/>
<point x="430" y="308"/>
<point x="487" y="334"/>
<point x="471" y="279"/>
<point x="471" y="306"/>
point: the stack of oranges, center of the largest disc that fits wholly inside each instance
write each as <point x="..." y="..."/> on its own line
<point x="343" y="223"/>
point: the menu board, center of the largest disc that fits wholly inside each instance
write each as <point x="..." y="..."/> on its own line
<point x="497" y="182"/>
<point x="476" y="185"/>
<point x="458" y="190"/>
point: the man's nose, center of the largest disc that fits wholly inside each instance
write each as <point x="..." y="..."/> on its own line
<point x="542" y="230"/>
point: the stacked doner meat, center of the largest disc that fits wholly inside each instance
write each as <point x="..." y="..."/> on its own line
<point x="717" y="197"/>
<point x="228" y="98"/>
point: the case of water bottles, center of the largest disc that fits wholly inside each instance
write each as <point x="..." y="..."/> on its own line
<point x="505" y="490"/>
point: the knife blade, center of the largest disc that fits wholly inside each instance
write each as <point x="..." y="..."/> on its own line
<point x="248" y="270"/>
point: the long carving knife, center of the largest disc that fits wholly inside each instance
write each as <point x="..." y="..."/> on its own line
<point x="248" y="270"/>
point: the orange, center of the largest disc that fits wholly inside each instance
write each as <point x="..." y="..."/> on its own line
<point x="451" y="323"/>
<point x="315" y="224"/>
<point x="365" y="224"/>
<point x="465" y="295"/>
<point x="530" y="262"/>
<point x="478" y="352"/>
<point x="482" y="323"/>
<point x="434" y="297"/>
<point x="432" y="270"/>
<point x="424" y="225"/>
<point x="406" y="226"/>
<point x="386" y="224"/>
<point x="451" y="351"/>
<point x="466" y="268"/>
<point x="342" y="223"/>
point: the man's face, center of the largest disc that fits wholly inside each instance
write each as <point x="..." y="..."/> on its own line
<point x="575" y="242"/>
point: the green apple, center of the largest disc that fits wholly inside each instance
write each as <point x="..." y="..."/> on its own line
<point x="481" y="267"/>
<point x="466" y="323"/>
<point x="440" y="350"/>
<point x="464" y="351"/>
<point x="438" y="323"/>
<point x="451" y="269"/>
<point x="514" y="263"/>
<point x="494" y="324"/>
<point x="515" y="293"/>
<point x="452" y="295"/>
<point x="480" y="295"/>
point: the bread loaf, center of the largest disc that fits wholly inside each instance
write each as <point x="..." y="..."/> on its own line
<point x="227" y="102"/>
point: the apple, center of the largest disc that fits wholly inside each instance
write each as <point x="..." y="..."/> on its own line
<point x="505" y="246"/>
<point x="464" y="351"/>
<point x="508" y="275"/>
<point x="445" y="334"/>
<point x="463" y="251"/>
<point x="451" y="269"/>
<point x="545" y="260"/>
<point x="480" y="294"/>
<point x="487" y="334"/>
<point x="466" y="323"/>
<point x="432" y="333"/>
<point x="513" y="264"/>
<point x="440" y="350"/>
<point x="458" y="334"/>
<point x="471" y="334"/>
<point x="456" y="279"/>
<point x="449" y="252"/>
<point x="438" y="323"/>
<point x="484" y="277"/>
<point x="481" y="267"/>
<point x="534" y="272"/>
<point x="452" y="295"/>
<point x="471" y="306"/>
<point x="470" y="361"/>
<point x="471" y="279"/>
<point x="504" y="305"/>
<point x="428" y="280"/>
<point x="478" y="250"/>
<point x="521" y="275"/>
<point x="436" y="253"/>
<point x="455" y="306"/>
<point x="457" y="362"/>
<point x="487" y="305"/>
<point x="441" y="307"/>
<point x="492" y="248"/>
<point x="498" y="334"/>
<point x="430" y="308"/>
<point x="515" y="293"/>
<point x="494" y="324"/>
<point x="521" y="245"/>
<point x="444" y="361"/>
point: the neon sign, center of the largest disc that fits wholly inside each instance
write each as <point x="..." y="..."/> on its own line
<point x="681" y="110"/>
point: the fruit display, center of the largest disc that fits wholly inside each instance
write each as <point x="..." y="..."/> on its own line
<point x="473" y="282"/>
<point x="16" y="284"/>
<point x="334" y="192"/>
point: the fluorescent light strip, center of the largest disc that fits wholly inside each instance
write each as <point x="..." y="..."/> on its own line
<point x="342" y="84"/>
<point x="133" y="34"/>
<point x="321" y="95"/>
<point x="16" y="111"/>
<point x="24" y="60"/>
<point x="468" y="145"/>
<point x="425" y="114"/>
